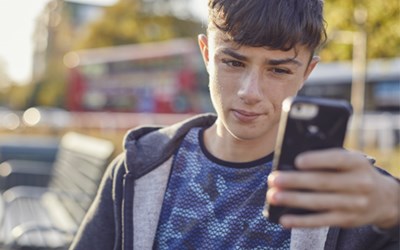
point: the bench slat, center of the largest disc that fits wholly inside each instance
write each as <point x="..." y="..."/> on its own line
<point x="49" y="217"/>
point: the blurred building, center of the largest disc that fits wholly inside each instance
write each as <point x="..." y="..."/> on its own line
<point x="382" y="89"/>
<point x="59" y="23"/>
<point x="59" y="26"/>
<point x="62" y="21"/>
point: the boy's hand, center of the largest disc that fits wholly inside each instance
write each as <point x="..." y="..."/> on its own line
<point x="347" y="191"/>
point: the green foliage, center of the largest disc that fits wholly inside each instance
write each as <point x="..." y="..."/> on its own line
<point x="126" y="23"/>
<point x="382" y="27"/>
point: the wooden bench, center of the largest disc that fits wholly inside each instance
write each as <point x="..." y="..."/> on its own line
<point x="48" y="217"/>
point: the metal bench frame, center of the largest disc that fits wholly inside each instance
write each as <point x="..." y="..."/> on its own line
<point x="48" y="217"/>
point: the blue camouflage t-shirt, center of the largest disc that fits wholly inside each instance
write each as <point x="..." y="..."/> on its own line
<point x="214" y="204"/>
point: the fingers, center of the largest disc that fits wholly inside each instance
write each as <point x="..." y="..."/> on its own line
<point x="379" y="208"/>
<point x="341" y="186"/>
<point x="318" y="201"/>
<point x="340" y="219"/>
<point x="321" y="181"/>
<point x="332" y="170"/>
<point x="331" y="159"/>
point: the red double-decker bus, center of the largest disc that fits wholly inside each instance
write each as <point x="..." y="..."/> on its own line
<point x="162" y="77"/>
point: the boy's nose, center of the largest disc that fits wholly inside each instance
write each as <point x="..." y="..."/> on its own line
<point x="250" y="89"/>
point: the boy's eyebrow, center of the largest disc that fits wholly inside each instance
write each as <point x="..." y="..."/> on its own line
<point x="284" y="61"/>
<point x="234" y="54"/>
<point x="240" y="57"/>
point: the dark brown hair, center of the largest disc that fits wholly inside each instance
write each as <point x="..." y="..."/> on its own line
<point x="277" y="24"/>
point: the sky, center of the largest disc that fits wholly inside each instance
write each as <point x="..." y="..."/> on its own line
<point x="17" y="19"/>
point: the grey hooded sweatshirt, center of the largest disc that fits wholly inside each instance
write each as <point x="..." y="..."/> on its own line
<point x="125" y="212"/>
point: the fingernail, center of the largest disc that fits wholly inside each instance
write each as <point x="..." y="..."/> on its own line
<point x="273" y="196"/>
<point x="299" y="161"/>
<point x="272" y="179"/>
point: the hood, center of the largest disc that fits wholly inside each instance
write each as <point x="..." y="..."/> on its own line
<point x="148" y="146"/>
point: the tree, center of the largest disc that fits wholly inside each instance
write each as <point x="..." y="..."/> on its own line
<point x="382" y="27"/>
<point x="127" y="23"/>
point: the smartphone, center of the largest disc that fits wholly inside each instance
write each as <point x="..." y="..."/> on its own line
<point x="306" y="124"/>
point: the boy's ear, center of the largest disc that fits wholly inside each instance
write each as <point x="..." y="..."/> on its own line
<point x="203" y="44"/>
<point x="314" y="61"/>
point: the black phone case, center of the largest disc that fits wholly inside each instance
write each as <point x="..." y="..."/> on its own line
<point x="326" y="129"/>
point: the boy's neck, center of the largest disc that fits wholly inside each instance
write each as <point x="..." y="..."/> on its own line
<point x="228" y="148"/>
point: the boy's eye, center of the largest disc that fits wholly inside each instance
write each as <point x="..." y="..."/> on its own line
<point x="233" y="63"/>
<point x="280" y="71"/>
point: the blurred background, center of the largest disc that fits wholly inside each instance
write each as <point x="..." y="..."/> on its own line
<point x="104" y="66"/>
<point x="101" y="67"/>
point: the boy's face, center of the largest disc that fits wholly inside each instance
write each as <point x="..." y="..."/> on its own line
<point x="248" y="84"/>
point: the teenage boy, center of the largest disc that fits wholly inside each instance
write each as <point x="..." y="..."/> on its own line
<point x="202" y="183"/>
